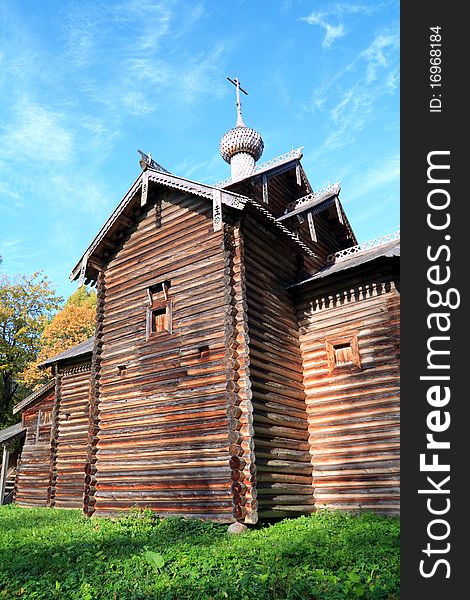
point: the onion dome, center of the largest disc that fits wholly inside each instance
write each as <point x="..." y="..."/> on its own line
<point x="241" y="146"/>
<point x="241" y="139"/>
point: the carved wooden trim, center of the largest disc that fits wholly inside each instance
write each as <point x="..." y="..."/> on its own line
<point x="76" y="369"/>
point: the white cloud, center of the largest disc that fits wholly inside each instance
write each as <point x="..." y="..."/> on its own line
<point x="332" y="32"/>
<point x="202" y="171"/>
<point x="350" y="96"/>
<point x="378" y="53"/>
<point x="393" y="79"/>
<point x="151" y="56"/>
<point x="36" y="134"/>
<point x="332" y="20"/>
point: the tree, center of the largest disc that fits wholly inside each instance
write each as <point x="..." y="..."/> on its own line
<point x="26" y="305"/>
<point x="75" y="323"/>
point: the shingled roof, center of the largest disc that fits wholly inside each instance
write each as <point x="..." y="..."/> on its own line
<point x="85" y="347"/>
<point x="354" y="259"/>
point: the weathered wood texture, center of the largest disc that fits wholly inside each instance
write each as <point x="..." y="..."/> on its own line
<point x="353" y="411"/>
<point x="93" y="424"/>
<point x="162" y="402"/>
<point x="32" y="485"/>
<point x="240" y="409"/>
<point x="71" y="436"/>
<point x="283" y="467"/>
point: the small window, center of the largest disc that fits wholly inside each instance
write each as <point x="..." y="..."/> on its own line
<point x="159" y="312"/>
<point x="159" y="319"/>
<point x="343" y="352"/>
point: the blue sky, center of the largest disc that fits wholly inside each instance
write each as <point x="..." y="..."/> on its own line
<point x="83" y="84"/>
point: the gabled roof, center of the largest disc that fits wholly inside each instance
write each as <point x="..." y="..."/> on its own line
<point x="119" y="217"/>
<point x="81" y="349"/>
<point x="10" y="432"/>
<point x="315" y="200"/>
<point x="168" y="180"/>
<point x="354" y="258"/>
<point x="34" y="396"/>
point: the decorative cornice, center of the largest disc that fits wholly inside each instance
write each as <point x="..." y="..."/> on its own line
<point x="332" y="189"/>
<point x="171" y="181"/>
<point x="293" y="236"/>
<point x="313" y="202"/>
<point x="269" y="164"/>
<point x="77" y="369"/>
<point x="374" y="243"/>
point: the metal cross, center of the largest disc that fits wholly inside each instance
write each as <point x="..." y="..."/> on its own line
<point x="239" y="89"/>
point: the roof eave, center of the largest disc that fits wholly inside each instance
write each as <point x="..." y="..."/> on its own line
<point x="228" y="198"/>
<point x="293" y="157"/>
<point x="9" y="433"/>
<point x="47" y="387"/>
<point x="79" y="350"/>
<point x="326" y="273"/>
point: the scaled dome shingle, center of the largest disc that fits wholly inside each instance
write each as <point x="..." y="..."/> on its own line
<point x="241" y="139"/>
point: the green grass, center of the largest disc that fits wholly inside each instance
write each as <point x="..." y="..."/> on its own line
<point x="53" y="553"/>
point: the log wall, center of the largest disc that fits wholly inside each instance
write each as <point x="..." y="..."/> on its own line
<point x="71" y="436"/>
<point x="34" y="465"/>
<point x="240" y="408"/>
<point x="283" y="467"/>
<point x="353" y="410"/>
<point x="161" y="402"/>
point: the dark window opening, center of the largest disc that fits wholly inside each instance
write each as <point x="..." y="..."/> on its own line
<point x="158" y="291"/>
<point x="203" y="351"/>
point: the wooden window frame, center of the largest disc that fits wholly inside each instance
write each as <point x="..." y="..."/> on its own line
<point x="158" y="303"/>
<point x="165" y="305"/>
<point x="332" y="344"/>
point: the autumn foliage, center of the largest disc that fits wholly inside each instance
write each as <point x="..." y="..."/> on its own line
<point x="75" y="323"/>
<point x="27" y="304"/>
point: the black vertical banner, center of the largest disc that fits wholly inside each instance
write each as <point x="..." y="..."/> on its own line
<point x="435" y="392"/>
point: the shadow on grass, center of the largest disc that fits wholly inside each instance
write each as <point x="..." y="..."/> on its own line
<point x="59" y="554"/>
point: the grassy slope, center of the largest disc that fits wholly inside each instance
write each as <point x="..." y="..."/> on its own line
<point x="48" y="553"/>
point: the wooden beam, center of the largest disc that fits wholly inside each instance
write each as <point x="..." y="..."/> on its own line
<point x="3" y="472"/>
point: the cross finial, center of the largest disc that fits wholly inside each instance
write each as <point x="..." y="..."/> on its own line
<point x="239" y="89"/>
